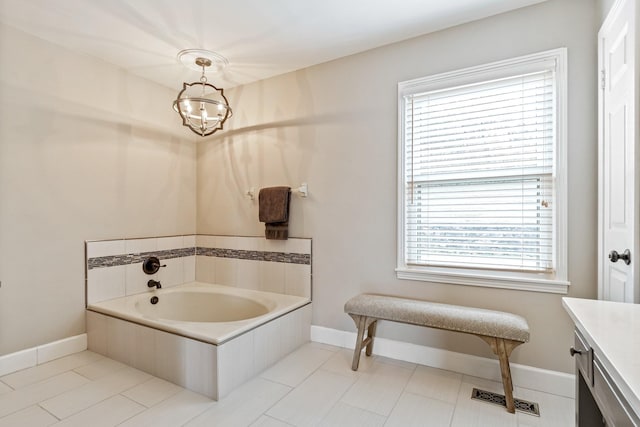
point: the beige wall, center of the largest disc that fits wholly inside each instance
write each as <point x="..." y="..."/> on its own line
<point x="86" y="152"/>
<point x="90" y="152"/>
<point x="604" y="6"/>
<point x="335" y="126"/>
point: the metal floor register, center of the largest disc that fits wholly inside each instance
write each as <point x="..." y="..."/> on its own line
<point x="525" y="406"/>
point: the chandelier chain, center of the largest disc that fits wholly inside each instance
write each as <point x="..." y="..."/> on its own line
<point x="203" y="78"/>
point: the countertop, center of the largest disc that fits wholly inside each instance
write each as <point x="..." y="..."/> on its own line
<point x="613" y="330"/>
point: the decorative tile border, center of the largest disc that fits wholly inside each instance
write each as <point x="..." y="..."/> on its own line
<point x="126" y="259"/>
<point x="285" y="257"/>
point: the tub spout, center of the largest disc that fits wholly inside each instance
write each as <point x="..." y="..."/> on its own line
<point x="154" y="283"/>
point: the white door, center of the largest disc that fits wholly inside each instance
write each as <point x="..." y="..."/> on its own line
<point x="618" y="169"/>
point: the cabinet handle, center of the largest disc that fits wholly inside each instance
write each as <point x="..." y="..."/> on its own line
<point x="573" y="351"/>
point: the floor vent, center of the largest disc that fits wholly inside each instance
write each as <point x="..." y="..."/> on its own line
<point x="525" y="406"/>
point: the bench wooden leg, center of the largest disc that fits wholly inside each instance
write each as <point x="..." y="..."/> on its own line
<point x="503" y="348"/>
<point x="363" y="323"/>
<point x="371" y="332"/>
<point x="360" y="322"/>
<point x="507" y="384"/>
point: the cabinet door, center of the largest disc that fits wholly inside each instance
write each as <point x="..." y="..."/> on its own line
<point x="618" y="152"/>
<point x="614" y="407"/>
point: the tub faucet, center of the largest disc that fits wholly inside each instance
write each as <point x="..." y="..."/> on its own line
<point x="154" y="283"/>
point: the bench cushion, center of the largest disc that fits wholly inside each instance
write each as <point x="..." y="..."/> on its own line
<point x="442" y="316"/>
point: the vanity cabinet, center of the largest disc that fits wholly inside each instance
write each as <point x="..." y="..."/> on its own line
<point x="606" y="341"/>
<point x="598" y="400"/>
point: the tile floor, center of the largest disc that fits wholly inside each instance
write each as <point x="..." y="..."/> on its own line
<point x="314" y="386"/>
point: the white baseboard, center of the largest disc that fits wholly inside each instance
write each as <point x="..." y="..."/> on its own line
<point x="554" y="382"/>
<point x="30" y="357"/>
<point x="544" y="380"/>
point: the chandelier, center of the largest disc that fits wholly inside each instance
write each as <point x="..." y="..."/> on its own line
<point x="202" y="106"/>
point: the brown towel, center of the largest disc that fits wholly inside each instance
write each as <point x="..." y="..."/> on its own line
<point x="273" y="205"/>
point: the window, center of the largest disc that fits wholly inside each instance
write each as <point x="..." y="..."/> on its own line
<point x="482" y="187"/>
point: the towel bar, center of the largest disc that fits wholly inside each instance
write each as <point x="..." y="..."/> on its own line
<point x="302" y="191"/>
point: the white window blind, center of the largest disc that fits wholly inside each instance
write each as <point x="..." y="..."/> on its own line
<point x="479" y="174"/>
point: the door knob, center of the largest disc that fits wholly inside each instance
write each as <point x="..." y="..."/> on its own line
<point x="573" y="351"/>
<point x="625" y="256"/>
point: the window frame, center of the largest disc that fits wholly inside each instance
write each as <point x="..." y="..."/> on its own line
<point x="556" y="282"/>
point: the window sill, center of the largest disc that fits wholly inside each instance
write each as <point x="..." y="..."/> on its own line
<point x="484" y="279"/>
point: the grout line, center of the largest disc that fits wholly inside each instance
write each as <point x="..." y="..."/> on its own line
<point x="144" y="409"/>
<point x="293" y="352"/>
<point x="272" y="418"/>
<point x="162" y="400"/>
<point x="277" y="401"/>
<point x="89" y="407"/>
<point x="543" y="392"/>
<point x="455" y="405"/>
<point x="47" y="411"/>
<point x="336" y="403"/>
<point x="356" y="377"/>
<point x="278" y="382"/>
<point x="124" y="366"/>
<point x="404" y="388"/>
<point x="317" y="369"/>
<point x="215" y="402"/>
<point x="11" y="388"/>
<point x="136" y="385"/>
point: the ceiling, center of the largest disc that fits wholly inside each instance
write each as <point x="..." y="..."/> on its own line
<point x="260" y="38"/>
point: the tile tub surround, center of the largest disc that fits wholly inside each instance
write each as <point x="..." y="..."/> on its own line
<point x="114" y="267"/>
<point x="212" y="370"/>
<point x="282" y="266"/>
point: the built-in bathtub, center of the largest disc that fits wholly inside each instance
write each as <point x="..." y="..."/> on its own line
<point x="205" y="337"/>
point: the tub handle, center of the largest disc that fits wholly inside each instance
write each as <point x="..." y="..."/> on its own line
<point x="151" y="265"/>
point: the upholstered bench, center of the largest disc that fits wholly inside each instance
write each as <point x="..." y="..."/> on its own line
<point x="502" y="331"/>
